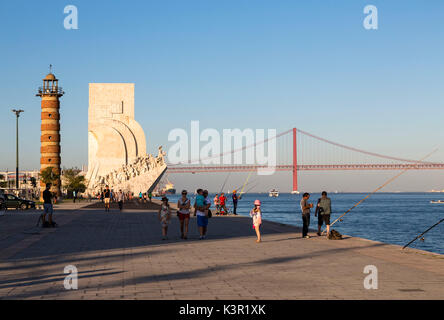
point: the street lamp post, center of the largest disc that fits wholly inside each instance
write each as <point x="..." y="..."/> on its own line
<point x="17" y="113"/>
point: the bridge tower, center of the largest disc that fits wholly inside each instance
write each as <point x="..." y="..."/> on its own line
<point x="295" y="161"/>
<point x="50" y="93"/>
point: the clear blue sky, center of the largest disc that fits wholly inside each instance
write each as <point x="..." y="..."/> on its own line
<point x="236" y="64"/>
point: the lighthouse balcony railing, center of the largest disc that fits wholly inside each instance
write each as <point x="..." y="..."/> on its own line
<point x="50" y="90"/>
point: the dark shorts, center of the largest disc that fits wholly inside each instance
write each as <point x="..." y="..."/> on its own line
<point x="183" y="216"/>
<point x="323" y="218"/>
<point x="47" y="207"/>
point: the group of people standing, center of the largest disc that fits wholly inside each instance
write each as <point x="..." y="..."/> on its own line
<point x="107" y="196"/>
<point x="221" y="200"/>
<point x="144" y="197"/>
<point x="202" y="212"/>
<point x="322" y="211"/>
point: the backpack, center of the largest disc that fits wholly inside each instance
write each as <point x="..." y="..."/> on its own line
<point x="334" y="235"/>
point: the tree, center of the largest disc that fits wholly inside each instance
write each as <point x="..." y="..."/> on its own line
<point x="73" y="181"/>
<point x="48" y="175"/>
<point x="33" y="182"/>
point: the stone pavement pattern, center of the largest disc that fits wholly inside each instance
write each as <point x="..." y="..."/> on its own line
<point x="120" y="255"/>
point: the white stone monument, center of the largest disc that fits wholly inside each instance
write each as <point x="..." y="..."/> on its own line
<point x="116" y="142"/>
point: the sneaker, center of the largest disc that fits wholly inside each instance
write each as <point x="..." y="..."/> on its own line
<point x="307" y="237"/>
<point x="201" y="238"/>
<point x="319" y="234"/>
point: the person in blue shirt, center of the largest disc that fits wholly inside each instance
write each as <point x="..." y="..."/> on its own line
<point x="201" y="207"/>
<point x="235" y="198"/>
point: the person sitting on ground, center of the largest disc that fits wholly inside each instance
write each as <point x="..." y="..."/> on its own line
<point x="324" y="210"/>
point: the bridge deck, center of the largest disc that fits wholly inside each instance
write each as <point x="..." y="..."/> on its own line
<point x="307" y="167"/>
<point x="121" y="255"/>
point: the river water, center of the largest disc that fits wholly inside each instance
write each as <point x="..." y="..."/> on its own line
<point x="394" y="218"/>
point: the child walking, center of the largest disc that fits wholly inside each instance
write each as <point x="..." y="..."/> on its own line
<point x="256" y="214"/>
<point x="164" y="217"/>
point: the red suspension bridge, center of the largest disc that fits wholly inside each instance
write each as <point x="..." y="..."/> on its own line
<point x="298" y="150"/>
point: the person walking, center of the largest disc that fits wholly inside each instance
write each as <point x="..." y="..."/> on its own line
<point x="305" y="208"/>
<point x="150" y="196"/>
<point x="235" y="199"/>
<point x="184" y="205"/>
<point x="207" y="205"/>
<point x="164" y="217"/>
<point x="140" y="197"/>
<point x="256" y="214"/>
<point x="47" y="208"/>
<point x="201" y="211"/>
<point x="74" y="196"/>
<point x="107" y="198"/>
<point x="323" y="210"/>
<point x="120" y="198"/>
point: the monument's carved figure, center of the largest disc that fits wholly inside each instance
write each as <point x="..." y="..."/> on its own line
<point x="116" y="142"/>
<point x="136" y="177"/>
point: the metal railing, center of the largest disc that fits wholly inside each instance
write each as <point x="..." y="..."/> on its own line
<point x="50" y="90"/>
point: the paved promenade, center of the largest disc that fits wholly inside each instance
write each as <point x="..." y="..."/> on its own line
<point x="120" y="255"/>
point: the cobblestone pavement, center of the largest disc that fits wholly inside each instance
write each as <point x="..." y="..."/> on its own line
<point x="120" y="255"/>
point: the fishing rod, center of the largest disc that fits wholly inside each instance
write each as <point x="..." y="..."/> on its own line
<point x="249" y="183"/>
<point x="225" y="182"/>
<point x="245" y="183"/>
<point x="253" y="187"/>
<point x="420" y="236"/>
<point x="380" y="187"/>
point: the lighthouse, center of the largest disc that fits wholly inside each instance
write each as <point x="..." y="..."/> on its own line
<point x="50" y="93"/>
